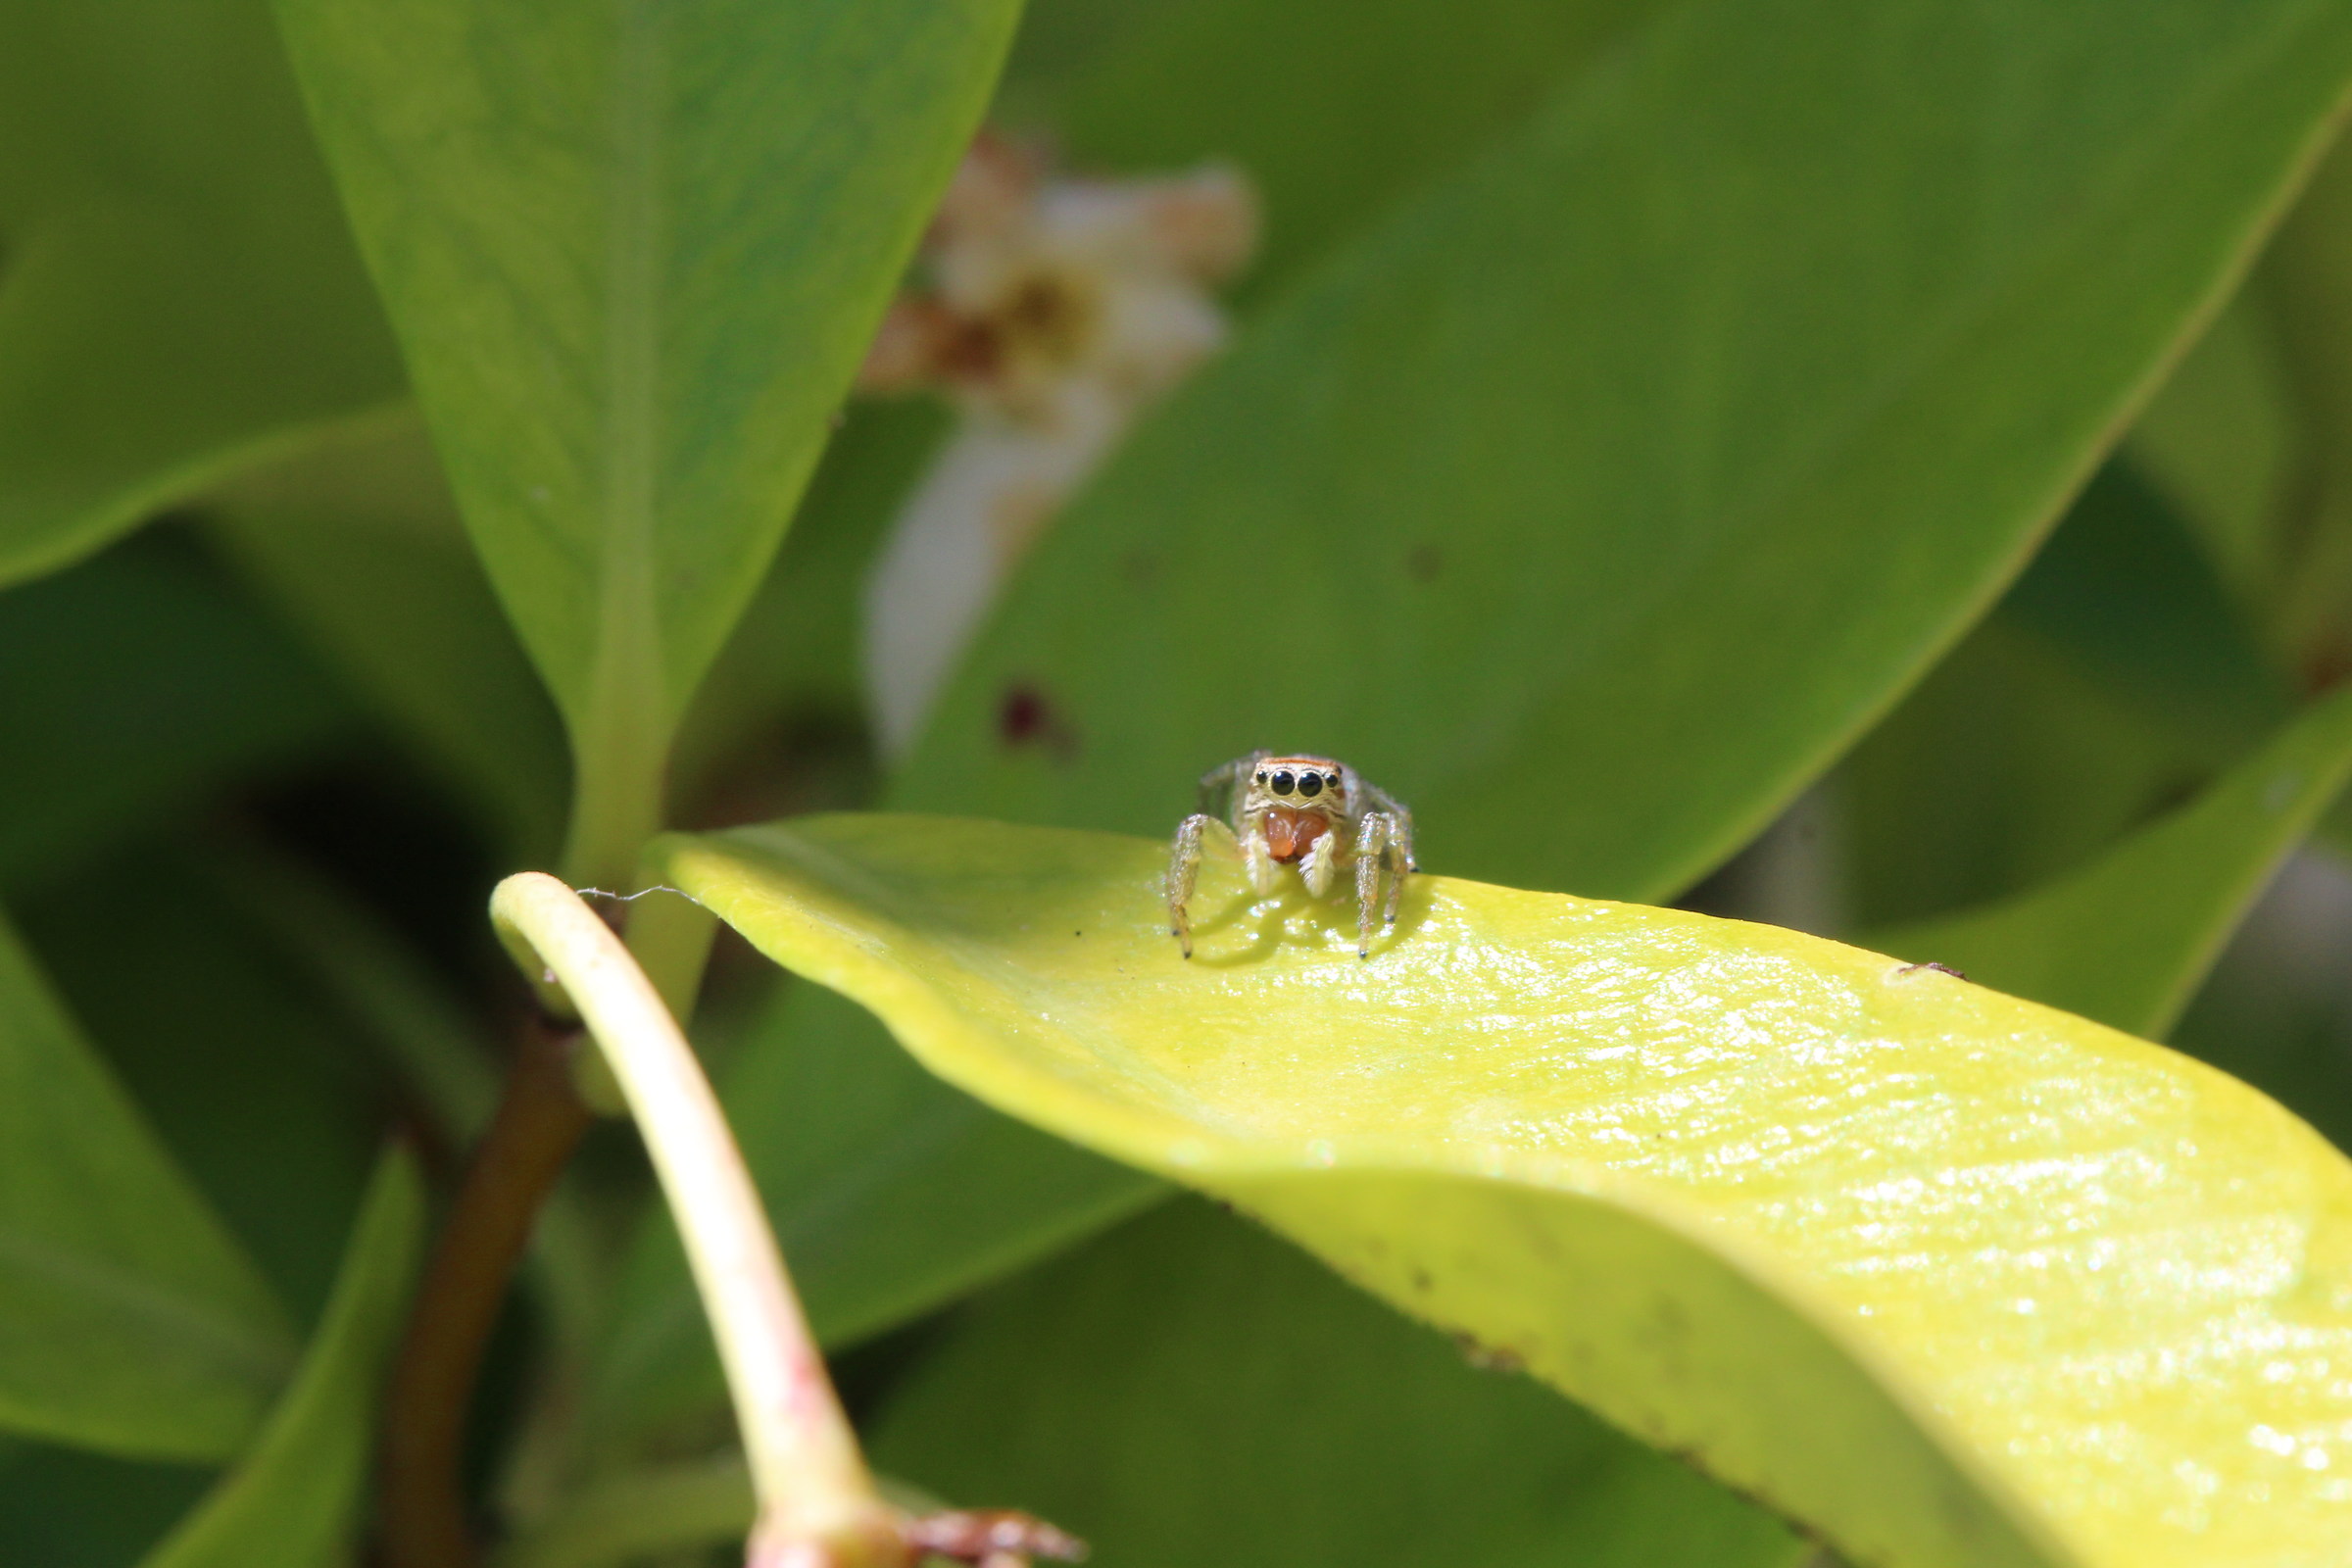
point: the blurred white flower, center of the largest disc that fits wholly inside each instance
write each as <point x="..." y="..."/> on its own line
<point x="1050" y="312"/>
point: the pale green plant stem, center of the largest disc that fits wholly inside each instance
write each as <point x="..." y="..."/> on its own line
<point x="817" y="1506"/>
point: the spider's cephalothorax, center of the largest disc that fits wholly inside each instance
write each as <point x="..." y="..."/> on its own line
<point x="1309" y="812"/>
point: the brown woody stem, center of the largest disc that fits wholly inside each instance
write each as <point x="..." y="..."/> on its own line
<point x="540" y="1120"/>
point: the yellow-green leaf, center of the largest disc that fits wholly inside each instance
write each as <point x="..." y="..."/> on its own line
<point x="635" y="253"/>
<point x="1949" y="1276"/>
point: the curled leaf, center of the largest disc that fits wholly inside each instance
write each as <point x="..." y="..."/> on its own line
<point x="1951" y="1277"/>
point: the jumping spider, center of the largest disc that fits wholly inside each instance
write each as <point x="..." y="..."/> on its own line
<point x="1307" y="811"/>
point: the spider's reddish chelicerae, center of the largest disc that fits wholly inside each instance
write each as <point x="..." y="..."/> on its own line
<point x="1309" y="812"/>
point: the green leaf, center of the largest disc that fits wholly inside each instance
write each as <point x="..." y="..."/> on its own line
<point x="2031" y="1282"/>
<point x="2276" y="1010"/>
<point x="1327" y="131"/>
<point x="2111" y="682"/>
<point x="357" y="541"/>
<point x="890" y="1193"/>
<point x="2221" y="440"/>
<point x="293" y="1499"/>
<point x="180" y="295"/>
<point x="2303" y="285"/>
<point x="70" y="1508"/>
<point x="2127" y="939"/>
<point x="790" y="674"/>
<point x="132" y="688"/>
<point x="2122" y="589"/>
<point x="635" y="253"/>
<point x="1635" y="467"/>
<point x="265" y="1091"/>
<point x="130" y="1321"/>
<point x="1187" y="1392"/>
<point x="2006" y="767"/>
<point x="629" y="1518"/>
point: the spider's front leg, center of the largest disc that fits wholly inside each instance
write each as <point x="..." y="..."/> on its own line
<point x="1382" y="844"/>
<point x="1401" y="856"/>
<point x="1184" y="869"/>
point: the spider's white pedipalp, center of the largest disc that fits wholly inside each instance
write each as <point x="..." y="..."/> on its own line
<point x="1321" y="864"/>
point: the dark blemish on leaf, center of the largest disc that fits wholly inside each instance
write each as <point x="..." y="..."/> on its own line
<point x="1140" y="568"/>
<point x="1423" y="562"/>
<point x="1930" y="964"/>
<point x="2325" y="663"/>
<point x="1422" y="1282"/>
<point x="1021" y="716"/>
<point x="1488" y="1357"/>
<point x="1026" y="716"/>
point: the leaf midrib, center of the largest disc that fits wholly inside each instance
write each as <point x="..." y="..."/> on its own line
<point x="625" y="690"/>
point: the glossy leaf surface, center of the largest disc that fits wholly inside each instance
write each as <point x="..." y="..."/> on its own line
<point x="1633" y="468"/>
<point x="1189" y="1393"/>
<point x="2125" y="939"/>
<point x="292" y="1500"/>
<point x="635" y="253"/>
<point x="181" y="295"/>
<point x="129" y="1320"/>
<point x="2042" y="1293"/>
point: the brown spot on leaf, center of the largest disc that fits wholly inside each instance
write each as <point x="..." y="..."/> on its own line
<point x="1026" y="716"/>
<point x="1488" y="1357"/>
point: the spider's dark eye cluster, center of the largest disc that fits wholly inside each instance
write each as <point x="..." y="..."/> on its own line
<point x="1308" y="784"/>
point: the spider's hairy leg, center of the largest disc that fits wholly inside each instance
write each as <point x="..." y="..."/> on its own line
<point x="1219" y="784"/>
<point x="1401" y="826"/>
<point x="1374" y="846"/>
<point x="1184" y="869"/>
<point x="1399" y="856"/>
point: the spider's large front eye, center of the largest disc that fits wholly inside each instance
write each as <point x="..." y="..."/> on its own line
<point x="1283" y="782"/>
<point x="1310" y="785"/>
